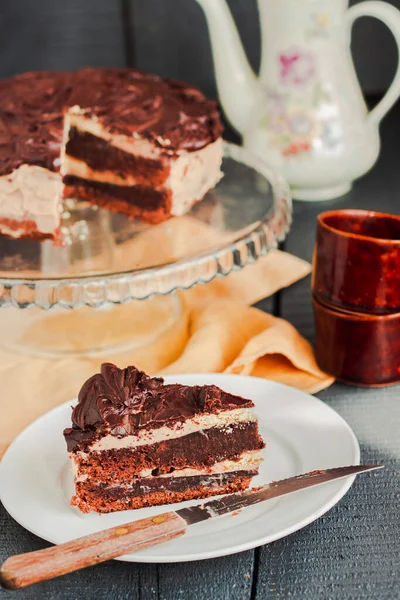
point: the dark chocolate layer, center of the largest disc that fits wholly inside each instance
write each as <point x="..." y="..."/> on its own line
<point x="123" y="401"/>
<point x="100" y="156"/>
<point x="144" y="197"/>
<point x="169" y="113"/>
<point x="198" y="450"/>
<point x="147" y="485"/>
<point x="89" y="499"/>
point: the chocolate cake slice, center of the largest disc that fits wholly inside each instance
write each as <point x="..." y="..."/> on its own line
<point x="137" y="442"/>
<point x="117" y="138"/>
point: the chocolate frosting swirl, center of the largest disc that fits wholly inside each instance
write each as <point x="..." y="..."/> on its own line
<point x="170" y="113"/>
<point x="121" y="402"/>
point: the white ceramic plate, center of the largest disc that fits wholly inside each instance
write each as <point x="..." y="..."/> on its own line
<point x="301" y="432"/>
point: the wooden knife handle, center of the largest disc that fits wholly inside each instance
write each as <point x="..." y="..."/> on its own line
<point x="26" y="569"/>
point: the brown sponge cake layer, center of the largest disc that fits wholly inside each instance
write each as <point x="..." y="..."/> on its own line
<point x="99" y="155"/>
<point x="192" y="451"/>
<point x="133" y="200"/>
<point x="157" y="490"/>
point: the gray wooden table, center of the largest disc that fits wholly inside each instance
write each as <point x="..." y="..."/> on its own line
<point x="353" y="551"/>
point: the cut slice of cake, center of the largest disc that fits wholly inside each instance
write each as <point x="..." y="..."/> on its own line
<point x="137" y="442"/>
<point x="144" y="146"/>
<point x="117" y="138"/>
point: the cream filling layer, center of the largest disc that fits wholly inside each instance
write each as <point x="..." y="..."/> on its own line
<point x="78" y="168"/>
<point x="197" y="424"/>
<point x="31" y="193"/>
<point x="192" y="174"/>
<point x="248" y="461"/>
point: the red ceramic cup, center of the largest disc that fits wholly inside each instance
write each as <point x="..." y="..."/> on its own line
<point x="358" y="348"/>
<point x="357" y="261"/>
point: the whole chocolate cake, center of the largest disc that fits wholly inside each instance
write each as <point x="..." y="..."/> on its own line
<point x="118" y="138"/>
<point x="137" y="442"/>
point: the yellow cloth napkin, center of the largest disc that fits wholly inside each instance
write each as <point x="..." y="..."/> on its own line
<point x="217" y="331"/>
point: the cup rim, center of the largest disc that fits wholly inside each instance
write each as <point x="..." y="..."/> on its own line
<point x="358" y="212"/>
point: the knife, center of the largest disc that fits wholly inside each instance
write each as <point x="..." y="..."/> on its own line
<point x="23" y="570"/>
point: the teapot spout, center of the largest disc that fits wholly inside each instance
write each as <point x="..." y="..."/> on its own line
<point x="237" y="84"/>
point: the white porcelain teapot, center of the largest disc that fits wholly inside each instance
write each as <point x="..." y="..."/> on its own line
<point x="305" y="113"/>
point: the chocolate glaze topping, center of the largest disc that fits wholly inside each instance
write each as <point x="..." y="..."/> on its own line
<point x="123" y="401"/>
<point x="170" y="113"/>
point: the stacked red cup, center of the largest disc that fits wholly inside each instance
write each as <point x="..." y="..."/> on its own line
<point x="356" y="296"/>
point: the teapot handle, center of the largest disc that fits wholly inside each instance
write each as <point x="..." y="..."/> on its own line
<point x="390" y="16"/>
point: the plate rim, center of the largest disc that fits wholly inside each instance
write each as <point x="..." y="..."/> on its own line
<point x="237" y="548"/>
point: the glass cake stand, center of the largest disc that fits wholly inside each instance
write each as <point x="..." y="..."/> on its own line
<point x="107" y="265"/>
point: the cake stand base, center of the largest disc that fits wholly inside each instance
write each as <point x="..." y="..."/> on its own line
<point x="112" y="329"/>
<point x="107" y="289"/>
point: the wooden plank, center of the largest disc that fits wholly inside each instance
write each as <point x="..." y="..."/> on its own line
<point x="171" y="39"/>
<point x="229" y="577"/>
<point x="54" y="34"/>
<point x="59" y="35"/>
<point x="352" y="551"/>
<point x="110" y="581"/>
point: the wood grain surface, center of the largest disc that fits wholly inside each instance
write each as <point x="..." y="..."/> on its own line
<point x="58" y="34"/>
<point x="168" y="37"/>
<point x="26" y="569"/>
<point x="352" y="552"/>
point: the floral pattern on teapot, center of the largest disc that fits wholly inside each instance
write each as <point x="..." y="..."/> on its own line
<point x="297" y="67"/>
<point x="296" y="128"/>
<point x="305" y="113"/>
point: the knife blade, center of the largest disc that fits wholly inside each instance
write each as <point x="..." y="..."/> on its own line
<point x="234" y="502"/>
<point x="26" y="569"/>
